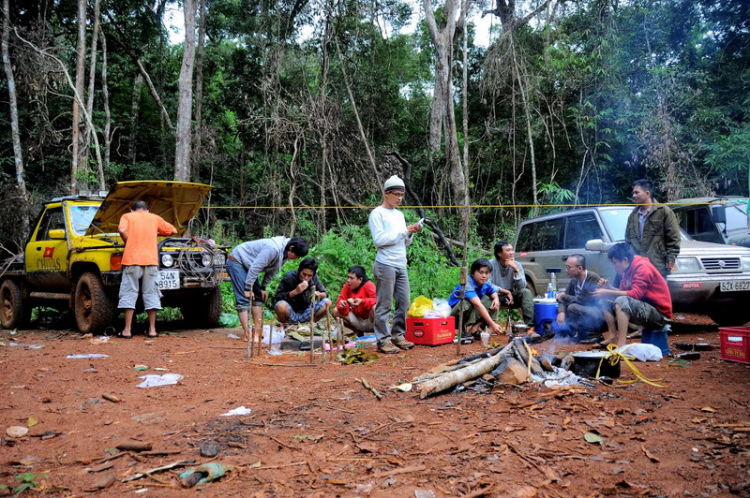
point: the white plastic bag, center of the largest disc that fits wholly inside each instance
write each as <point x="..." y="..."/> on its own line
<point x="642" y="351"/>
<point x="442" y="307"/>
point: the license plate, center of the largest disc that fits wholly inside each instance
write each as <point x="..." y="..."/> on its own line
<point x="169" y="279"/>
<point x="735" y="285"/>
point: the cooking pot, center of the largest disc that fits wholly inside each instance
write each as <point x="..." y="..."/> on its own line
<point x="519" y="329"/>
<point x="587" y="362"/>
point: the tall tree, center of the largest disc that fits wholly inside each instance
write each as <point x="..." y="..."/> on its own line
<point x="443" y="113"/>
<point x="199" y="92"/>
<point x="92" y="82"/>
<point x="185" y="99"/>
<point x="78" y="164"/>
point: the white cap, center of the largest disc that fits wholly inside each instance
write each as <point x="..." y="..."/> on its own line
<point x="393" y="183"/>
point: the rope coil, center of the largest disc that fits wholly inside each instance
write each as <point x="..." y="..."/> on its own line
<point x="614" y="356"/>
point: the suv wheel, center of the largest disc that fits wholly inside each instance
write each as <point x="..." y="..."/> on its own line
<point x="203" y="311"/>
<point x="14" y="312"/>
<point x="94" y="309"/>
<point x="730" y="317"/>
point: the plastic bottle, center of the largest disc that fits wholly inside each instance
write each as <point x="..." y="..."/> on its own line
<point x="554" y="285"/>
<point x="550" y="291"/>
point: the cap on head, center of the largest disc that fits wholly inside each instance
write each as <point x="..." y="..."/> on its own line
<point x="393" y="183"/>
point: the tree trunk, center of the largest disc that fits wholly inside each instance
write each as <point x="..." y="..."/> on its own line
<point x="185" y="102"/>
<point x="14" y="130"/>
<point x="134" y="112"/>
<point x="199" y="93"/>
<point x="90" y="101"/>
<point x="443" y="112"/>
<point x="107" y="113"/>
<point x="77" y="166"/>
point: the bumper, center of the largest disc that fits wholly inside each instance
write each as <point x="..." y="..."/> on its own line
<point x="699" y="291"/>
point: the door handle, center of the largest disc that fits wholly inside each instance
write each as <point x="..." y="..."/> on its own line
<point x="38" y="248"/>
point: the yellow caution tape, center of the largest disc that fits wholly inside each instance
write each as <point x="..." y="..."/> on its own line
<point x="614" y="356"/>
<point x="473" y="206"/>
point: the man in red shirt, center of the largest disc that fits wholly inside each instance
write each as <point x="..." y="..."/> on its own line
<point x="641" y="297"/>
<point x="139" y="230"/>
<point x="356" y="303"/>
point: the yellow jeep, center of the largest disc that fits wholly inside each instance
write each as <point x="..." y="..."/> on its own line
<point x="74" y="253"/>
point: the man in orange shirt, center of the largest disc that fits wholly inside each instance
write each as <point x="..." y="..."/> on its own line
<point x="139" y="230"/>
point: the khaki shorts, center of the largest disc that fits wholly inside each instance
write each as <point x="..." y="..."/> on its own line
<point x="143" y="278"/>
<point x="361" y="324"/>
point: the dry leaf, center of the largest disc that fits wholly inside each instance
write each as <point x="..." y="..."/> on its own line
<point x="698" y="420"/>
<point x="566" y="421"/>
<point x="649" y="454"/>
<point x="592" y="438"/>
<point x="708" y="409"/>
<point x="31" y="422"/>
<point x="525" y="492"/>
<point x="550" y="474"/>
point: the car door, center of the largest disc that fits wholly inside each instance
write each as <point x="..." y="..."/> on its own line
<point x="541" y="250"/>
<point x="47" y="253"/>
<point x="579" y="229"/>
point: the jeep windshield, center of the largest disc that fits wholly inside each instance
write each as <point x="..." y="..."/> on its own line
<point x="616" y="221"/>
<point x="737" y="216"/>
<point x="81" y="216"/>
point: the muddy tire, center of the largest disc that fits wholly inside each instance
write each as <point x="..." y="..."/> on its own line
<point x="94" y="310"/>
<point x="730" y="317"/>
<point x="14" y="312"/>
<point x="204" y="311"/>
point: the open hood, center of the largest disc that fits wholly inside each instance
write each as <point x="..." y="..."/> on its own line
<point x="176" y="202"/>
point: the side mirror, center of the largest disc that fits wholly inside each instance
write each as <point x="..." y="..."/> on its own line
<point x="719" y="214"/>
<point x="595" y="245"/>
<point x="56" y="234"/>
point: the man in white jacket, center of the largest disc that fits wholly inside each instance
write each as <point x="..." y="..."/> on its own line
<point x="391" y="237"/>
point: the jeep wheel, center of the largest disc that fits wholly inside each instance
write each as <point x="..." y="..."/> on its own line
<point x="730" y="317"/>
<point x="94" y="309"/>
<point x="203" y="311"/>
<point x="14" y="312"/>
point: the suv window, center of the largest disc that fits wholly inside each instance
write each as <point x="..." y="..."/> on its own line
<point x="695" y="221"/>
<point x="53" y="220"/>
<point x="549" y="235"/>
<point x="524" y="238"/>
<point x="580" y="229"/>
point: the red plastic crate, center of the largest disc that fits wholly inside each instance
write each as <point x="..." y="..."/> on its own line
<point x="430" y="331"/>
<point x="735" y="344"/>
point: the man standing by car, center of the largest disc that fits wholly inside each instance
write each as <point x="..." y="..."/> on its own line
<point x="510" y="281"/>
<point x="653" y="231"/>
<point x="245" y="264"/>
<point x="391" y="237"/>
<point x="139" y="230"/>
<point x="578" y="307"/>
<point x="642" y="296"/>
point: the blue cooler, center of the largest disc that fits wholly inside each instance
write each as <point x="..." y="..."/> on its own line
<point x="657" y="337"/>
<point x="545" y="310"/>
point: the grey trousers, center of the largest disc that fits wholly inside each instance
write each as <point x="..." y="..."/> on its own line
<point x="392" y="283"/>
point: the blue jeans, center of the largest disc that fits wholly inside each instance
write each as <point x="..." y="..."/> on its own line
<point x="392" y="282"/>
<point x="306" y="315"/>
<point x="238" y="275"/>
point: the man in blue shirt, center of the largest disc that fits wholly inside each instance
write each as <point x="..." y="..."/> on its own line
<point x="480" y="304"/>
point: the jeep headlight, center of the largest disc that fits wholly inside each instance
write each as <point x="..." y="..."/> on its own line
<point x="688" y="264"/>
<point x="745" y="263"/>
<point x="219" y="259"/>
<point x="167" y="260"/>
<point x="206" y="259"/>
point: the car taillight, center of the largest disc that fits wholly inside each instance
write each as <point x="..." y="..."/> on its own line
<point x="115" y="262"/>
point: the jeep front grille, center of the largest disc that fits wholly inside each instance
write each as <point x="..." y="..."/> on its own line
<point x="714" y="264"/>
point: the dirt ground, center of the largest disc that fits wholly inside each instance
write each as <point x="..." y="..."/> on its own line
<point x="315" y="431"/>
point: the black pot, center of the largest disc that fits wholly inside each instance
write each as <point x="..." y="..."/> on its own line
<point x="587" y="362"/>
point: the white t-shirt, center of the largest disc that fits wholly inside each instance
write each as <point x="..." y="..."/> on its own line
<point x="389" y="233"/>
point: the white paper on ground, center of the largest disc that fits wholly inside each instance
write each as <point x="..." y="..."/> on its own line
<point x="86" y="356"/>
<point x="642" y="351"/>
<point x="240" y="410"/>
<point x="169" y="379"/>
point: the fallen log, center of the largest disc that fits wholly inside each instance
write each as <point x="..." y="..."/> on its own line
<point x="452" y="379"/>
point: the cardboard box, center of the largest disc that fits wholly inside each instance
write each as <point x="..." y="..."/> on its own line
<point x="735" y="344"/>
<point x="431" y="331"/>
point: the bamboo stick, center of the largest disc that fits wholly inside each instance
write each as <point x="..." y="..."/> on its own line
<point x="328" y="334"/>
<point x="312" y="322"/>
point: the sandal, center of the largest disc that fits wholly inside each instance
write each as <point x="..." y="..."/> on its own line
<point x="125" y="336"/>
<point x="153" y="336"/>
